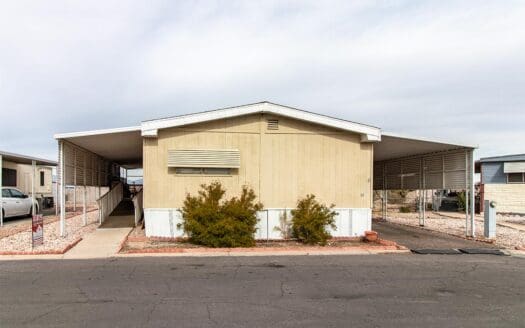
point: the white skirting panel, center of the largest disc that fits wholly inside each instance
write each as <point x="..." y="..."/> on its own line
<point x="272" y="223"/>
<point x="162" y="222"/>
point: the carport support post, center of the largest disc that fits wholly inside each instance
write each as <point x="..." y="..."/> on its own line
<point x="467" y="177"/>
<point x="74" y="181"/>
<point x="1" y="200"/>
<point x="472" y="196"/>
<point x="424" y="205"/>
<point x="62" y="189"/>
<point x="84" y="192"/>
<point x="33" y="199"/>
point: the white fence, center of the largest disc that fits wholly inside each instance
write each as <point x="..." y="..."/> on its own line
<point x="271" y="223"/>
<point x="108" y="202"/>
<point x="137" y="203"/>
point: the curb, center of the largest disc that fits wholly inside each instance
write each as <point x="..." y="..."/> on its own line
<point x="183" y="253"/>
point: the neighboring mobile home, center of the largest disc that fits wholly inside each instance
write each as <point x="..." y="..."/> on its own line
<point x="17" y="172"/>
<point x="503" y="181"/>
<point x="282" y="153"/>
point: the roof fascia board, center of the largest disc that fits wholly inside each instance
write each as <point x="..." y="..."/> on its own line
<point x="369" y="133"/>
<point x="96" y="132"/>
<point x="17" y="157"/>
<point x="400" y="136"/>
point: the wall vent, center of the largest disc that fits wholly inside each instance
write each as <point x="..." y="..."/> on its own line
<point x="273" y="124"/>
<point x="204" y="158"/>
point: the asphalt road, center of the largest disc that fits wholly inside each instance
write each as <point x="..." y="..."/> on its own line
<point x="303" y="291"/>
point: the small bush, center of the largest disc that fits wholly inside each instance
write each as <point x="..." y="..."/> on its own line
<point x="462" y="201"/>
<point x="310" y="219"/>
<point x="211" y="222"/>
<point x="405" y="209"/>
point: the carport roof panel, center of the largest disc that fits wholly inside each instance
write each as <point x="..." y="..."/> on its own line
<point x="23" y="159"/>
<point x="121" y="145"/>
<point x="394" y="146"/>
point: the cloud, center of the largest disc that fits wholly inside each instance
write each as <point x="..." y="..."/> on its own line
<point x="436" y="69"/>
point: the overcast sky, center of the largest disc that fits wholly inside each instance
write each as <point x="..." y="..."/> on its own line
<point x="438" y="69"/>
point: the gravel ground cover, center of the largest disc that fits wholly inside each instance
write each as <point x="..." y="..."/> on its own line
<point x="21" y="241"/>
<point x="454" y="224"/>
<point x="24" y="224"/>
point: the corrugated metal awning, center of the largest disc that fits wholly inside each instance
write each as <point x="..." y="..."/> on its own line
<point x="204" y="158"/>
<point x="513" y="167"/>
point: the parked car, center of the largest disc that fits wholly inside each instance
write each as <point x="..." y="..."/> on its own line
<point x="16" y="203"/>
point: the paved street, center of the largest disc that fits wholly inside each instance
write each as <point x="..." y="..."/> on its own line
<point x="304" y="291"/>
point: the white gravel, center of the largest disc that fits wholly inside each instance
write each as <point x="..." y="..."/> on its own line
<point x="21" y="242"/>
<point x="454" y="223"/>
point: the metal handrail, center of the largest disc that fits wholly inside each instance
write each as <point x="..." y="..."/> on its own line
<point x="109" y="201"/>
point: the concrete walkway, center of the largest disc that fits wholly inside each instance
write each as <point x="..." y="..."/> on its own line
<point x="102" y="243"/>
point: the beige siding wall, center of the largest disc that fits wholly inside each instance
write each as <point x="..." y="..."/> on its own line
<point x="280" y="165"/>
<point x="510" y="198"/>
<point x="23" y="177"/>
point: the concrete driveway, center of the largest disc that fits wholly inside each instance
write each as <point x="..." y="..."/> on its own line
<point x="417" y="238"/>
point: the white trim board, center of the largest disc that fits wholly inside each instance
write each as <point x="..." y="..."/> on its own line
<point x="369" y="133"/>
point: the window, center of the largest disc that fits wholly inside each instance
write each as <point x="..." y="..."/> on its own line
<point x="203" y="170"/>
<point x="5" y="193"/>
<point x="8" y="177"/>
<point x="515" y="178"/>
<point x="16" y="194"/>
<point x="42" y="178"/>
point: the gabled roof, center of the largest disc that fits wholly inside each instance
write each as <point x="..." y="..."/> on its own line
<point x="368" y="133"/>
<point x="505" y="158"/>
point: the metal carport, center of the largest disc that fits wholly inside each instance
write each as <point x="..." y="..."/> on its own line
<point x="94" y="158"/>
<point x="402" y="162"/>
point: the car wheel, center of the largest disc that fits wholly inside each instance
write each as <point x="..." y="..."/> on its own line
<point x="30" y="212"/>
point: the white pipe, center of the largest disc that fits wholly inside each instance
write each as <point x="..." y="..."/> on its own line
<point x="1" y="190"/>
<point x="74" y="181"/>
<point x="33" y="199"/>
<point x="472" y="196"/>
<point x="84" y="206"/>
<point x="62" y="190"/>
<point x="424" y="205"/>
<point x="56" y="197"/>
<point x="85" y="191"/>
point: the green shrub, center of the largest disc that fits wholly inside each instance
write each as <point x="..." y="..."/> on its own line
<point x="462" y="200"/>
<point x="405" y="209"/>
<point x="310" y="219"/>
<point x="212" y="222"/>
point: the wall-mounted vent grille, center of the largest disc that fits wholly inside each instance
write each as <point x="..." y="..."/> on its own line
<point x="273" y="124"/>
<point x="204" y="158"/>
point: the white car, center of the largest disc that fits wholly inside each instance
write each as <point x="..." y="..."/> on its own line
<point x="16" y="203"/>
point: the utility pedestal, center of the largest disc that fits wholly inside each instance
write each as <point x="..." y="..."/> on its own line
<point x="490" y="219"/>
